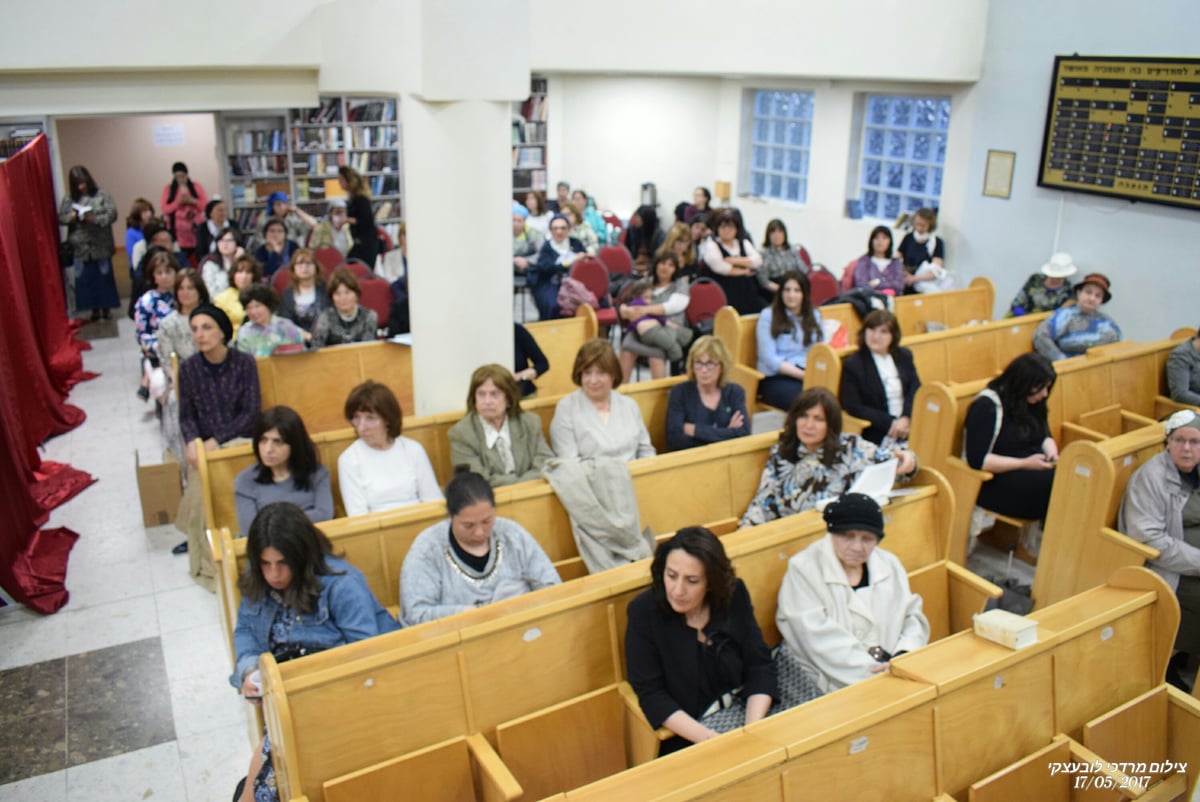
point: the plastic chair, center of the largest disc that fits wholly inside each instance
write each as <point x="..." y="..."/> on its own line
<point x="377" y="295"/>
<point x="706" y="298"/>
<point x="822" y="285"/>
<point x="617" y="259"/>
<point x="328" y="258"/>
<point x="591" y="273"/>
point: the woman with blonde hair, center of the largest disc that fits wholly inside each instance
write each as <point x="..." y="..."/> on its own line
<point x="496" y="439"/>
<point x="679" y="242"/>
<point x="706" y="408"/>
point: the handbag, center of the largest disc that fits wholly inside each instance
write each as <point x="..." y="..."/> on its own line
<point x="66" y="254"/>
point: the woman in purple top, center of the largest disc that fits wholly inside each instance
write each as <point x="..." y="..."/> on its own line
<point x="878" y="269"/>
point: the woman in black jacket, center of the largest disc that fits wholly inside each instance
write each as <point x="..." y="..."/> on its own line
<point x="879" y="380"/>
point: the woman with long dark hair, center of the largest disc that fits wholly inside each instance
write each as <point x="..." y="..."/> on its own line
<point x="183" y="202"/>
<point x="1007" y="434"/>
<point x="88" y="212"/>
<point x="360" y="216"/>
<point x="779" y="258"/>
<point x="878" y="269"/>
<point x="815" y="460"/>
<point x="297" y="599"/>
<point x="286" y="469"/>
<point x="643" y="238"/>
<point x="785" y="331"/>
<point x="733" y="261"/>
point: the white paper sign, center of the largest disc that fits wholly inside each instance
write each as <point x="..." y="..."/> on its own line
<point x="167" y="136"/>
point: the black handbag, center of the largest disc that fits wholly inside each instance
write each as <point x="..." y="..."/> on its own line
<point x="66" y="254"/>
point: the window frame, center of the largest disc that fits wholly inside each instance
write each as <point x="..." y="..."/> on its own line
<point x="746" y="167"/>
<point x="909" y="200"/>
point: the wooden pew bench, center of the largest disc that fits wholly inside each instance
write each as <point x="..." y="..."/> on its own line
<point x="315" y="383"/>
<point x="954" y="308"/>
<point x="504" y="663"/>
<point x="218" y="469"/>
<point x="944" y="717"/>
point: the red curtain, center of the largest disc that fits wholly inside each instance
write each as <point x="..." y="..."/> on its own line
<point x="39" y="361"/>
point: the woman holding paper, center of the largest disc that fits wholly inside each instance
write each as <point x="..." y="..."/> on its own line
<point x="88" y="213"/>
<point x="814" y="460"/>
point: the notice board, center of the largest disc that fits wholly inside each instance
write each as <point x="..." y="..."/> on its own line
<point x="1124" y="127"/>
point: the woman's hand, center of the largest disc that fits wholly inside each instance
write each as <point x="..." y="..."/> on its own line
<point x="211" y="445"/>
<point x="689" y="429"/>
<point x="251" y="692"/>
<point x="1037" y="462"/>
<point x="529" y="374"/>
<point x="899" y="428"/>
<point x="1050" y="449"/>
<point x="907" y="461"/>
<point x="736" y="422"/>
<point x="632" y="313"/>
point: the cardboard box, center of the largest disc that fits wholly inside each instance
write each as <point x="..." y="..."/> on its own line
<point x="160" y="488"/>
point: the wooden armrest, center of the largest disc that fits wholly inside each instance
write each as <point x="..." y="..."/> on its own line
<point x="1165" y="405"/>
<point x="853" y="425"/>
<point x="960" y="465"/>
<point x="740" y="374"/>
<point x="973" y="581"/>
<point x="1073" y="431"/>
<point x="1128" y="543"/>
<point x="497" y="778"/>
<point x="1190" y="703"/>
<point x="1135" y="421"/>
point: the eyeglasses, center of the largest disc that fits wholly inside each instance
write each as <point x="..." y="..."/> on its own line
<point x="559" y="228"/>
<point x="1185" y="442"/>
<point x="705" y="364"/>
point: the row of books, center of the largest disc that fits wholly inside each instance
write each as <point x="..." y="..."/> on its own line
<point x="257" y="165"/>
<point x="329" y="111"/>
<point x="318" y="163"/>
<point x="256" y="140"/>
<point x="529" y="179"/>
<point x="523" y="132"/>
<point x="371" y="111"/>
<point x="327" y="138"/>
<point x="385" y="184"/>
<point x="374" y="136"/>
<point x="528" y="157"/>
<point x="534" y="109"/>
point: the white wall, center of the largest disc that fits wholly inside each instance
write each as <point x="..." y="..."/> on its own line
<point x="1148" y="251"/>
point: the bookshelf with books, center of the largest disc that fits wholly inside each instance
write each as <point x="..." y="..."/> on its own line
<point x="529" y="141"/>
<point x="299" y="151"/>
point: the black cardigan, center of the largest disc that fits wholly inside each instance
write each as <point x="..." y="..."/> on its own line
<point x="661" y="657"/>
<point x="862" y="393"/>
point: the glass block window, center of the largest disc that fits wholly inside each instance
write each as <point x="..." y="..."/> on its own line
<point x="780" y="132"/>
<point x="903" y="153"/>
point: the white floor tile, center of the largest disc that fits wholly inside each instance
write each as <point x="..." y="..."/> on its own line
<point x="186" y="607"/>
<point x="170" y="571"/>
<point x="121" y="621"/>
<point x="214" y="761"/>
<point x="50" y="787"/>
<point x="151" y="773"/>
<point x="117" y="581"/>
<point x="32" y="641"/>
<point x="199" y="651"/>
<point x="206" y="702"/>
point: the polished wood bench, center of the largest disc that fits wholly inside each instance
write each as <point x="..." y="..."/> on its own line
<point x="953" y="308"/>
<point x="518" y="657"/>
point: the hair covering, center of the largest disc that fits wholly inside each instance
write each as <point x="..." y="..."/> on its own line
<point x="1059" y="266"/>
<point x="1182" y="419"/>
<point x="519" y="208"/>
<point x="1098" y="279"/>
<point x="854" y="512"/>
<point x="275" y="196"/>
<point x="221" y="319"/>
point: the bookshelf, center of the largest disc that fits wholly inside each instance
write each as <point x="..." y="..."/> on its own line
<point x="529" y="140"/>
<point x="299" y="151"/>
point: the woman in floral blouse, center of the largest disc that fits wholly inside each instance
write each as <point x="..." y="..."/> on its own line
<point x="814" y="460"/>
<point x="348" y="321"/>
<point x="264" y="331"/>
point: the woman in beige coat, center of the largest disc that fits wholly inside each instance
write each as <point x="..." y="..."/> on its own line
<point x="495" y="438"/>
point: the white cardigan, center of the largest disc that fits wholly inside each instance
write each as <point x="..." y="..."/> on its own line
<point x="829" y="625"/>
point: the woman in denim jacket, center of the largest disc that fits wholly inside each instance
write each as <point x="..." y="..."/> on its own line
<point x="297" y="598"/>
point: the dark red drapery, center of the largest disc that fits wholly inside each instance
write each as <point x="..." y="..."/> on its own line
<point x="39" y="361"/>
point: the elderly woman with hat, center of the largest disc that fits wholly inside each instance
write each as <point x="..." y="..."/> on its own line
<point x="1047" y="290"/>
<point x="1161" y="508"/>
<point x="1072" y="330"/>
<point x="845" y="607"/>
<point x="296" y="222"/>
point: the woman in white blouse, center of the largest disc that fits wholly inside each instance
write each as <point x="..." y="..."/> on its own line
<point x="733" y="261"/>
<point x="382" y="470"/>
<point x="595" y="420"/>
<point x="879" y="380"/>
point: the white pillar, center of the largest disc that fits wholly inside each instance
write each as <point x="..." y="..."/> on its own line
<point x="457" y="140"/>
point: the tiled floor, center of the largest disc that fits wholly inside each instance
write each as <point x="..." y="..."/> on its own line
<point x="121" y="695"/>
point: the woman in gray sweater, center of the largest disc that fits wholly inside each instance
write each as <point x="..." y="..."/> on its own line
<point x="472" y="559"/>
<point x="287" y="469"/>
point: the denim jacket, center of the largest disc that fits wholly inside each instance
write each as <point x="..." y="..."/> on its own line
<point x="346" y="612"/>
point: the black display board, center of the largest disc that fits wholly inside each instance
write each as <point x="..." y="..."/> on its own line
<point x="1124" y="127"/>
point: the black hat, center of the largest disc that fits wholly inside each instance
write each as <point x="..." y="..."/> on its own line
<point x="221" y="319"/>
<point x="854" y="512"/>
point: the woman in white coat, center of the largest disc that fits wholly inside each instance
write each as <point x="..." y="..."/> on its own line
<point x="845" y="608"/>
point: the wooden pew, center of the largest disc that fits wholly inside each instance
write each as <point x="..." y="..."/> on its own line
<point x="569" y="638"/>
<point x="218" y="469"/>
<point x="945" y="716"/>
<point x="1042" y="775"/>
<point x="954" y="308"/>
<point x="315" y="383"/>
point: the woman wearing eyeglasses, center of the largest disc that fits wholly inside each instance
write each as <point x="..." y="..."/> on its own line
<point x="707" y="407"/>
<point x="1161" y="508"/>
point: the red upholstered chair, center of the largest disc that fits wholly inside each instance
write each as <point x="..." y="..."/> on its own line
<point x="822" y="285"/>
<point x="804" y="257"/>
<point x="358" y="268"/>
<point x="617" y="259"/>
<point x="848" y="276"/>
<point x="377" y="295"/>
<point x="328" y="258"/>
<point x="706" y="298"/>
<point x="385" y="239"/>
<point x="617" y="225"/>
<point x="281" y="280"/>
<point x="592" y="274"/>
